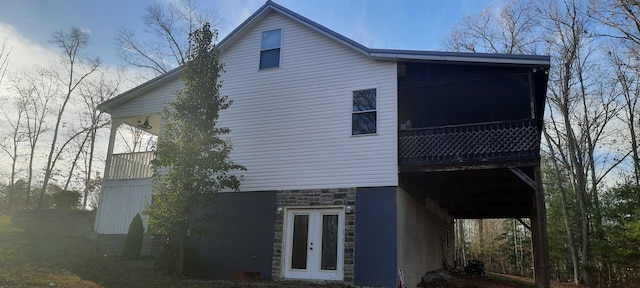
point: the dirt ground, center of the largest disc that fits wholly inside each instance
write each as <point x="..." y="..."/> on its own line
<point x="459" y="279"/>
<point x="44" y="260"/>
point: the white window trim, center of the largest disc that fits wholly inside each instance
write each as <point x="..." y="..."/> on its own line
<point x="377" y="110"/>
<point x="260" y="49"/>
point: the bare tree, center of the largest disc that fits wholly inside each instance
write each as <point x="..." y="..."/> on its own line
<point x="560" y="183"/>
<point x="565" y="41"/>
<point x="14" y="138"/>
<point x="136" y="140"/>
<point x="78" y="68"/>
<point x="167" y="27"/>
<point x="585" y="106"/>
<point x="623" y="19"/>
<point x="5" y="51"/>
<point x="36" y="90"/>
<point x="627" y="80"/>
<point x="93" y="94"/>
<point x="510" y="30"/>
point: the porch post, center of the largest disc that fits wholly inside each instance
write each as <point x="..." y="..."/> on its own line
<point x="539" y="234"/>
<point x="115" y="123"/>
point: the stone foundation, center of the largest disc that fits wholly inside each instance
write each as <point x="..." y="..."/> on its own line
<point x="319" y="198"/>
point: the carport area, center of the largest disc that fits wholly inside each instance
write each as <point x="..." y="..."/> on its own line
<point x="481" y="191"/>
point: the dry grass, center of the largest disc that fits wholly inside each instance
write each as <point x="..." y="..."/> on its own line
<point x="32" y="260"/>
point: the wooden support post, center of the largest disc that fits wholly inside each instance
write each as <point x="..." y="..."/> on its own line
<point x="539" y="234"/>
<point x="538" y="227"/>
<point x="115" y="123"/>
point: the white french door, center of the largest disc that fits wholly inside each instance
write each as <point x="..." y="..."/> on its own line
<point x="314" y="244"/>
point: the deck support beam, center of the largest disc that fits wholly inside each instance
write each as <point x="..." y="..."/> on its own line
<point x="538" y="227"/>
<point x="539" y="234"/>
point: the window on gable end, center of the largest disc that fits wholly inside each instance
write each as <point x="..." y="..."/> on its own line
<point x="270" y="49"/>
<point x="364" y="116"/>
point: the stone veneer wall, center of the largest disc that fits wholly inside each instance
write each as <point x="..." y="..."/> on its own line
<point x="319" y="198"/>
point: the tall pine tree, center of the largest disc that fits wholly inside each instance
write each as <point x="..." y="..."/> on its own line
<point x="192" y="160"/>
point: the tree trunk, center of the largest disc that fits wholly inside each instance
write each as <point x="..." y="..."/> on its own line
<point x="461" y="242"/>
<point x="481" y="236"/>
<point x="565" y="210"/>
<point x="88" y="180"/>
<point x="180" y="265"/>
<point x="74" y="163"/>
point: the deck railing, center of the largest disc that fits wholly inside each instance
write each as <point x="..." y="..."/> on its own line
<point x="512" y="140"/>
<point x="131" y="165"/>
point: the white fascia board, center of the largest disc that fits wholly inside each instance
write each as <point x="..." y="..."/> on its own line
<point x="458" y="57"/>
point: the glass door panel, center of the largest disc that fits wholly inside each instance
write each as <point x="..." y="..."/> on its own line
<point x="329" y="257"/>
<point x="300" y="240"/>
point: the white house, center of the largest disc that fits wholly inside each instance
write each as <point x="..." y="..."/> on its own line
<point x="358" y="160"/>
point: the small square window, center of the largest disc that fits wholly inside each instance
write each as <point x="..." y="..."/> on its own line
<point x="270" y="49"/>
<point x="364" y="116"/>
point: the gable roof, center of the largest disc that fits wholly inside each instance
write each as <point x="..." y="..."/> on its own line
<point x="377" y="54"/>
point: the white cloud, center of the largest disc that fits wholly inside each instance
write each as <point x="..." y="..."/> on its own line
<point x="24" y="52"/>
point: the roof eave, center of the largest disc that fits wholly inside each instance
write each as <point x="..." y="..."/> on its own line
<point x="107" y="106"/>
<point x="439" y="56"/>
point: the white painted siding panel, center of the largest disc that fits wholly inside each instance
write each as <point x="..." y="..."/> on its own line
<point x="151" y="102"/>
<point x="291" y="126"/>
<point x="120" y="200"/>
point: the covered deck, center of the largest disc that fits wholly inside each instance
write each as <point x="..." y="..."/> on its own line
<point x="126" y="188"/>
<point x="469" y="136"/>
<point x="469" y="140"/>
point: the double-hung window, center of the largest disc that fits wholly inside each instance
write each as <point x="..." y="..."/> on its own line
<point x="270" y="49"/>
<point x="364" y="116"/>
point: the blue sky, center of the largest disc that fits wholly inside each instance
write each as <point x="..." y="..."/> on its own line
<point x="397" y="24"/>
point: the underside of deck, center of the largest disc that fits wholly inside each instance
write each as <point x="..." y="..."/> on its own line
<point x="474" y="192"/>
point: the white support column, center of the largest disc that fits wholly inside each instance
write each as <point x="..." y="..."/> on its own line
<point x="115" y="123"/>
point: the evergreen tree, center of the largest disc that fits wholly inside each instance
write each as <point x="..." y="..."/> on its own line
<point x="133" y="243"/>
<point x="192" y="161"/>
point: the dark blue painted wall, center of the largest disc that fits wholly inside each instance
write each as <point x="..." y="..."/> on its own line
<point x="376" y="237"/>
<point x="240" y="235"/>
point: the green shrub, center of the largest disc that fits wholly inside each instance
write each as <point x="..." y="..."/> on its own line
<point x="133" y="243"/>
<point x="65" y="199"/>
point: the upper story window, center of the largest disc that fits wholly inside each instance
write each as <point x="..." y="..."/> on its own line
<point x="364" y="116"/>
<point x="270" y="49"/>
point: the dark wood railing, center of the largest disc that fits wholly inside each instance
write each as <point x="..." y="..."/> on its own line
<point x="495" y="141"/>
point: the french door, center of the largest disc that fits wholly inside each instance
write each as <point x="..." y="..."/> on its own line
<point x="314" y="244"/>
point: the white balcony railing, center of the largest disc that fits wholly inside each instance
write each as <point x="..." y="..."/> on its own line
<point x="131" y="165"/>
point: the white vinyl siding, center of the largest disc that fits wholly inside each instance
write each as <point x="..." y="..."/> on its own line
<point x="120" y="201"/>
<point x="291" y="127"/>
<point x="150" y="102"/>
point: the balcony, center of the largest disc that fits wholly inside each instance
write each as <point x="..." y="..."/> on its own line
<point x="469" y="144"/>
<point x="131" y="166"/>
